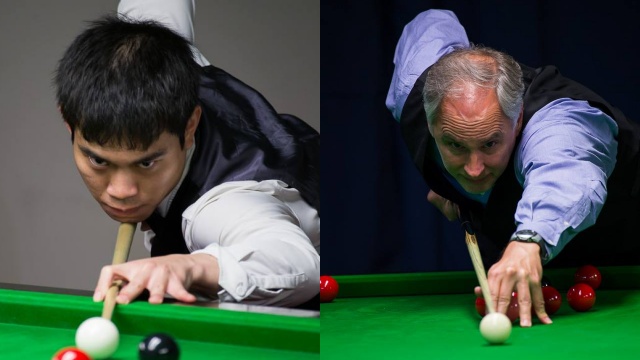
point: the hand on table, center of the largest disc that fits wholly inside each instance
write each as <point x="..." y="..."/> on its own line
<point x="446" y="207"/>
<point x="520" y="268"/>
<point x="171" y="274"/>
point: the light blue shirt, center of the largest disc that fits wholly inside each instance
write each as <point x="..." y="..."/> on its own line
<point x="566" y="153"/>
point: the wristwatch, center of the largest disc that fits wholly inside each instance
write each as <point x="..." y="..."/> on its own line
<point x="530" y="236"/>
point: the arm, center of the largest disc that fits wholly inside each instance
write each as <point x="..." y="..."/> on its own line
<point x="175" y="14"/>
<point x="564" y="185"/>
<point x="568" y="150"/>
<point x="424" y="40"/>
<point x="253" y="242"/>
<point x="263" y="236"/>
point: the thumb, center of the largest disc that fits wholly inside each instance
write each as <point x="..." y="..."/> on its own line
<point x="478" y="291"/>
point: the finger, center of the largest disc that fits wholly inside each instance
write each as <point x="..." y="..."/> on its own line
<point x="178" y="291"/>
<point x="158" y="284"/>
<point x="104" y="282"/>
<point x="524" y="302"/>
<point x="503" y="299"/>
<point x="478" y="291"/>
<point x="432" y="196"/>
<point x="457" y="208"/>
<point x="452" y="213"/>
<point x="129" y="292"/>
<point x="538" y="304"/>
<point x="500" y="289"/>
<point x="134" y="288"/>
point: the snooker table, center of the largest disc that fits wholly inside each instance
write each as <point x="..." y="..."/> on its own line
<point x="433" y="316"/>
<point x="36" y="323"/>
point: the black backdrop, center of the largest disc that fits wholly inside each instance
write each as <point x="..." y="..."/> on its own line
<point x="376" y="216"/>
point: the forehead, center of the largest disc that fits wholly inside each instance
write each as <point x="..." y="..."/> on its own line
<point x="165" y="141"/>
<point x="472" y="113"/>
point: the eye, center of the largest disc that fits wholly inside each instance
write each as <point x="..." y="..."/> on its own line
<point x="490" y="144"/>
<point x="147" y="164"/>
<point x="454" y="145"/>
<point x="99" y="162"/>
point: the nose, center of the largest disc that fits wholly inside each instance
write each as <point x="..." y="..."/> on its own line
<point x="475" y="165"/>
<point x="122" y="186"/>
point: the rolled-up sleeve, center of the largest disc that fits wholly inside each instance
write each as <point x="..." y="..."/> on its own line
<point x="177" y="15"/>
<point x="568" y="151"/>
<point x="266" y="240"/>
<point x="424" y="40"/>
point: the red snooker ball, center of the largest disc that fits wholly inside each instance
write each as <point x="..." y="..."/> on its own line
<point x="481" y="306"/>
<point x="328" y="288"/>
<point x="70" y="353"/>
<point x="590" y="275"/>
<point x="581" y="297"/>
<point x="552" y="299"/>
<point x="513" y="312"/>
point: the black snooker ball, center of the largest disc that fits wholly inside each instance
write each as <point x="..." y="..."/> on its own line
<point x="158" y="346"/>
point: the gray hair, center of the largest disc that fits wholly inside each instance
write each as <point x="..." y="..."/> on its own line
<point x="456" y="69"/>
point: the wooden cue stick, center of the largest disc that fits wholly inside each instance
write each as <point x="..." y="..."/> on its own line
<point x="120" y="255"/>
<point x="476" y="259"/>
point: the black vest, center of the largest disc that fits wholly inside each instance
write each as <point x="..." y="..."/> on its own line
<point x="495" y="223"/>
<point x="239" y="137"/>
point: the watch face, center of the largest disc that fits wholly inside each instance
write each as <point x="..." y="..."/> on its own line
<point x="525" y="234"/>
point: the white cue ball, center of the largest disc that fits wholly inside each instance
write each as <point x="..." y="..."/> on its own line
<point x="495" y="328"/>
<point x="98" y="337"/>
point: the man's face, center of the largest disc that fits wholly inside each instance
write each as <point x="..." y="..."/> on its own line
<point x="130" y="184"/>
<point x="475" y="138"/>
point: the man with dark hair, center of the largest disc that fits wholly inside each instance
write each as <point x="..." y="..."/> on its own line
<point x="226" y="189"/>
<point x="544" y="168"/>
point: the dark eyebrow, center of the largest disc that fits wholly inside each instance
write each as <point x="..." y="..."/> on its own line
<point x="87" y="152"/>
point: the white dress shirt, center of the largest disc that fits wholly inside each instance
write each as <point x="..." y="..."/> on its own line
<point x="265" y="236"/>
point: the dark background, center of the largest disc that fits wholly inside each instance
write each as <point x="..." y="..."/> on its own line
<point x="376" y="216"/>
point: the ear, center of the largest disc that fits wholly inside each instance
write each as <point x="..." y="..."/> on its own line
<point x="66" y="124"/>
<point x="192" y="125"/>
<point x="432" y="126"/>
<point x="519" y="123"/>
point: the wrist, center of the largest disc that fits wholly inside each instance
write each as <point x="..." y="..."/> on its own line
<point x="205" y="271"/>
<point x="530" y="236"/>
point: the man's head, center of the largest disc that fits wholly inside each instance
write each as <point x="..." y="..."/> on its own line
<point x="473" y="102"/>
<point x="128" y="93"/>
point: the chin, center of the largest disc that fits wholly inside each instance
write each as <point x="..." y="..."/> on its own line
<point x="477" y="190"/>
<point x="132" y="220"/>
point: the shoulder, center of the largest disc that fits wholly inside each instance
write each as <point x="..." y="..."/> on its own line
<point x="573" y="114"/>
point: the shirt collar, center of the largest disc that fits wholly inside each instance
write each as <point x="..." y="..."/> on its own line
<point x="163" y="208"/>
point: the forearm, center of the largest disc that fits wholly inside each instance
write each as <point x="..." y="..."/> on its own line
<point x="264" y="238"/>
<point x="270" y="268"/>
<point x="564" y="161"/>
<point x="205" y="270"/>
<point x="177" y="15"/>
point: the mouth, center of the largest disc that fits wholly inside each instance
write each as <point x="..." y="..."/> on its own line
<point x="477" y="181"/>
<point x="122" y="214"/>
